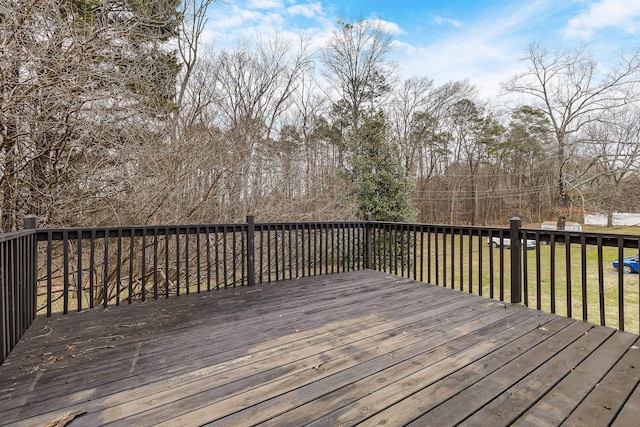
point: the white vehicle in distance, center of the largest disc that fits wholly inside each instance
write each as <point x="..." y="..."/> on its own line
<point x="506" y="243"/>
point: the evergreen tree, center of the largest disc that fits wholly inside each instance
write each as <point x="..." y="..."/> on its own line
<point x="380" y="183"/>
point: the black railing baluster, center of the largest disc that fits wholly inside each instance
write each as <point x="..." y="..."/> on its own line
<point x="132" y="244"/>
<point x="12" y="289"/>
<point x="328" y="229"/>
<point x="310" y="256"/>
<point x="525" y="267"/>
<point x="298" y="252"/>
<point x="583" y="253"/>
<point x="601" y="280"/>
<point x="516" y="259"/>
<point x="480" y="263"/>
<point x="92" y="253"/>
<point x="118" y="266"/>
<point x="276" y="253"/>
<point x="352" y="247"/>
<point x="234" y="255"/>
<point x="105" y="277"/>
<point x="470" y="264"/>
<point x="267" y="267"/>
<point x="341" y="249"/>
<point x="155" y="263"/>
<point x="314" y="237"/>
<point x="552" y="273"/>
<point x="620" y="284"/>
<point x="198" y="261"/>
<point x="243" y="258"/>
<point x="421" y="254"/>
<point x="251" y="251"/>
<point x="217" y="251"/>
<point x="461" y="258"/>
<point x="207" y="238"/>
<point x="437" y="254"/>
<point x="261" y="252"/>
<point x="501" y="290"/>
<point x="453" y="258"/>
<point x="333" y="248"/>
<point x="320" y="248"/>
<point x="290" y="241"/>
<point x="166" y="263"/>
<point x="444" y="258"/>
<point x="225" y="272"/>
<point x="384" y="238"/>
<point x="415" y="254"/>
<point x="143" y="262"/>
<point x="394" y="246"/>
<point x="491" y="264"/>
<point x="177" y="240"/>
<point x="187" y="284"/>
<point x="567" y="251"/>
<point x="79" y="289"/>
<point x="538" y="279"/>
<point x="284" y="253"/>
<point x="65" y="269"/>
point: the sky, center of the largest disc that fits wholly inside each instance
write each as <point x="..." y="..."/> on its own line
<point x="483" y="41"/>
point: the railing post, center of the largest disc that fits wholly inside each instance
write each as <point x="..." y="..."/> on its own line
<point x="30" y="222"/>
<point x="516" y="260"/>
<point x="251" y="267"/>
<point x="367" y="240"/>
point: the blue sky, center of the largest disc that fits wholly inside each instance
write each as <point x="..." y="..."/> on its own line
<point x="481" y="40"/>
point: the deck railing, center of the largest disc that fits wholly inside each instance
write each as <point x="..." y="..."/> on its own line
<point x="568" y="273"/>
<point x="17" y="284"/>
<point x="90" y="267"/>
<point x="563" y="272"/>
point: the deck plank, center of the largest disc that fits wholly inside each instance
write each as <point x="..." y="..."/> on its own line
<point x="357" y="347"/>
<point x="353" y="401"/>
<point x="556" y="405"/>
<point x="629" y="415"/>
<point x="246" y="334"/>
<point x="505" y="408"/>
<point x="469" y="399"/>
<point x="602" y="405"/>
<point x="367" y="360"/>
<point x="248" y="376"/>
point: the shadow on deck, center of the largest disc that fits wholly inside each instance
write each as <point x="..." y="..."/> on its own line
<point x="358" y="347"/>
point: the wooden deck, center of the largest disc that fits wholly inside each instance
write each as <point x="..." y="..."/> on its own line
<point x="352" y="348"/>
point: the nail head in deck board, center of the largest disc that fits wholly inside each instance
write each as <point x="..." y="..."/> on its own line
<point x="307" y="343"/>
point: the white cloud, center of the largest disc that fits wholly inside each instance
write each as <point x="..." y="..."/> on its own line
<point x="265" y="4"/>
<point x="308" y="10"/>
<point x="390" y="27"/>
<point x="439" y="20"/>
<point x="623" y="14"/>
<point x="486" y="52"/>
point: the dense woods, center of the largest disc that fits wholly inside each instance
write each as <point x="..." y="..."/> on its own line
<point x="115" y="112"/>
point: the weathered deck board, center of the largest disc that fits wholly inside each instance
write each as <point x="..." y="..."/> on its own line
<point x="359" y="347"/>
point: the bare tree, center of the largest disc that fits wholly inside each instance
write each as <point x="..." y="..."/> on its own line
<point x="256" y="82"/>
<point x="358" y="65"/>
<point x="612" y="148"/>
<point x="566" y="85"/>
<point x="417" y="113"/>
<point x="78" y="80"/>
